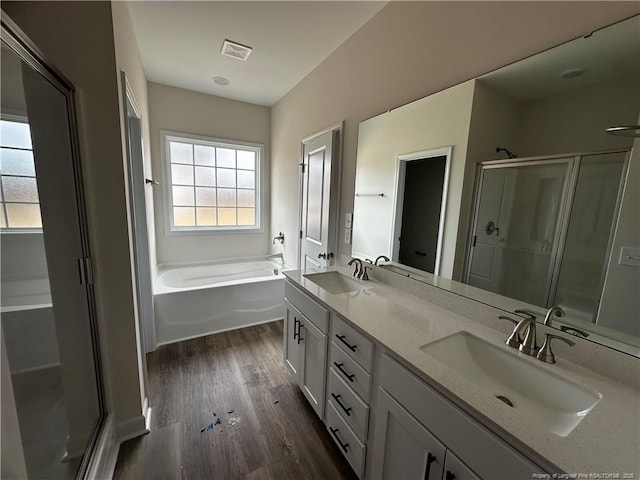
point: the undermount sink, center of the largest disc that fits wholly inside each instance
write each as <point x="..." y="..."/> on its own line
<point x="544" y="397"/>
<point x="334" y="282"/>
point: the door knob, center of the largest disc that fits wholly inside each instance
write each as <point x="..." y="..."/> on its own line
<point x="325" y="255"/>
<point x="490" y="228"/>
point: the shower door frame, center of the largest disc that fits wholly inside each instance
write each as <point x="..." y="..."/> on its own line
<point x="13" y="36"/>
<point x="564" y="213"/>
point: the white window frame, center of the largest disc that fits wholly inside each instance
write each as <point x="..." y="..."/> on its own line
<point x="168" y="136"/>
<point x="18" y="118"/>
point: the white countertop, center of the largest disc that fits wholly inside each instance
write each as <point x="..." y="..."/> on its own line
<point x="607" y="441"/>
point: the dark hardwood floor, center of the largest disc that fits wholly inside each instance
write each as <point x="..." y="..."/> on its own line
<point x="272" y="432"/>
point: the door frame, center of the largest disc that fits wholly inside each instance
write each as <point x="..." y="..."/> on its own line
<point x="401" y="169"/>
<point x="335" y="190"/>
<point x="145" y="331"/>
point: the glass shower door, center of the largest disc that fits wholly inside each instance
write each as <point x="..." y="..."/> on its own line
<point x="517" y="228"/>
<point x="589" y="233"/>
<point x="49" y="346"/>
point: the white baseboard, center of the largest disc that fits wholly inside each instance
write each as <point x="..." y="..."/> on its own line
<point x="105" y="454"/>
<point x="132" y="428"/>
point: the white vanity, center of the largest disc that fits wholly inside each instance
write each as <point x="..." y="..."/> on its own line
<point x="405" y="377"/>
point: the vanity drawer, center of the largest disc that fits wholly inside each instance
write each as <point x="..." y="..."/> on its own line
<point x="350" y="407"/>
<point x="314" y="312"/>
<point x="353" y="374"/>
<point x="346" y="440"/>
<point x="354" y="343"/>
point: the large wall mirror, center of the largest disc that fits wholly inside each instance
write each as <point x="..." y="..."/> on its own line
<point x="508" y="189"/>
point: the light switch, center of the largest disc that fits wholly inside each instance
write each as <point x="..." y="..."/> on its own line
<point x="347" y="236"/>
<point x="630" y="256"/>
<point x="348" y="222"/>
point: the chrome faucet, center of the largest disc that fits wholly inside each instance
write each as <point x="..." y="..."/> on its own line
<point x="523" y="336"/>
<point x="359" y="270"/>
<point x="381" y="257"/>
<point x="557" y="311"/>
<point x="526" y="328"/>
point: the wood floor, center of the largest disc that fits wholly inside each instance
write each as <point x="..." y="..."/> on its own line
<point x="271" y="432"/>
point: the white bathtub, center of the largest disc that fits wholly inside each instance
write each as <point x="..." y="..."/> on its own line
<point x="196" y="300"/>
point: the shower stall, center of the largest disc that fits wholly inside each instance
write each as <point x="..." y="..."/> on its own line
<point x="543" y="227"/>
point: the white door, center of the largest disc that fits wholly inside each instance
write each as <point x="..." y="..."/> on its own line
<point x="492" y="225"/>
<point x="314" y="362"/>
<point x="291" y="339"/>
<point x="403" y="447"/>
<point x="320" y="168"/>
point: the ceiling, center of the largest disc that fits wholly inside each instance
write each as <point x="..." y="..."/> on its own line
<point x="180" y="42"/>
<point x="605" y="54"/>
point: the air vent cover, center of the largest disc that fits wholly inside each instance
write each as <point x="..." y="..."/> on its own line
<point x="235" y="50"/>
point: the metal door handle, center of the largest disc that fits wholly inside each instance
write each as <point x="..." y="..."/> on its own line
<point x="325" y="255"/>
<point x="490" y="228"/>
<point x="334" y="432"/>
<point x="342" y="339"/>
<point x="296" y="332"/>
<point x="430" y="459"/>
<point x="350" y="376"/>
<point x="337" y="399"/>
<point x="299" y="329"/>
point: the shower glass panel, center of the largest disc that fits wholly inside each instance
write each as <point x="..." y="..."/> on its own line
<point x="516" y="232"/>
<point x="49" y="344"/>
<point x="587" y="244"/>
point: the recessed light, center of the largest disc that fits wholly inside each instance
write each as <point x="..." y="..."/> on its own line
<point x="572" y="73"/>
<point x="223" y="82"/>
<point x="235" y="50"/>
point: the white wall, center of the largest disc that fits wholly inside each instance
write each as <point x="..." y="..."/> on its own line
<point x="79" y="42"/>
<point x="185" y="111"/>
<point x="409" y="50"/>
<point x="436" y="121"/>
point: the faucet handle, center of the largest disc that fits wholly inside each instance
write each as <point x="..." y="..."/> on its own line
<point x="546" y="354"/>
<point x="364" y="272"/>
<point x="512" y="320"/>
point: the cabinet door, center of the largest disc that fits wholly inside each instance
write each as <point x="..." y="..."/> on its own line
<point x="314" y="364"/>
<point x="454" y="469"/>
<point x="291" y="329"/>
<point x="403" y="448"/>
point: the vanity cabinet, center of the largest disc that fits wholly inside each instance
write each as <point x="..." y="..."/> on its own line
<point x="421" y="434"/>
<point x="305" y="344"/>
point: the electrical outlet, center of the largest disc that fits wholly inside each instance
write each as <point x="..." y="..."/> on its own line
<point x="347" y="236"/>
<point x="629" y="256"/>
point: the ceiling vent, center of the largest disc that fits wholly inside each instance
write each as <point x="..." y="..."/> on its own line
<point x="235" y="50"/>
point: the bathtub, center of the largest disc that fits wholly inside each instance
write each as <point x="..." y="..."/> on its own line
<point x="196" y="300"/>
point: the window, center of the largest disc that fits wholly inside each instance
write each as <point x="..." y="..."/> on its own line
<point x="213" y="184"/>
<point x="19" y="201"/>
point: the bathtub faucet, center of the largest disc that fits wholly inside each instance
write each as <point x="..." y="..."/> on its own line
<point x="279" y="237"/>
<point x="277" y="255"/>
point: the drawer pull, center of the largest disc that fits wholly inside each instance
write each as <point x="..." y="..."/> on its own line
<point x="430" y="459"/>
<point x="337" y="399"/>
<point x="296" y="332"/>
<point x="449" y="476"/>
<point x="342" y="339"/>
<point x="334" y="432"/>
<point x="349" y="376"/>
